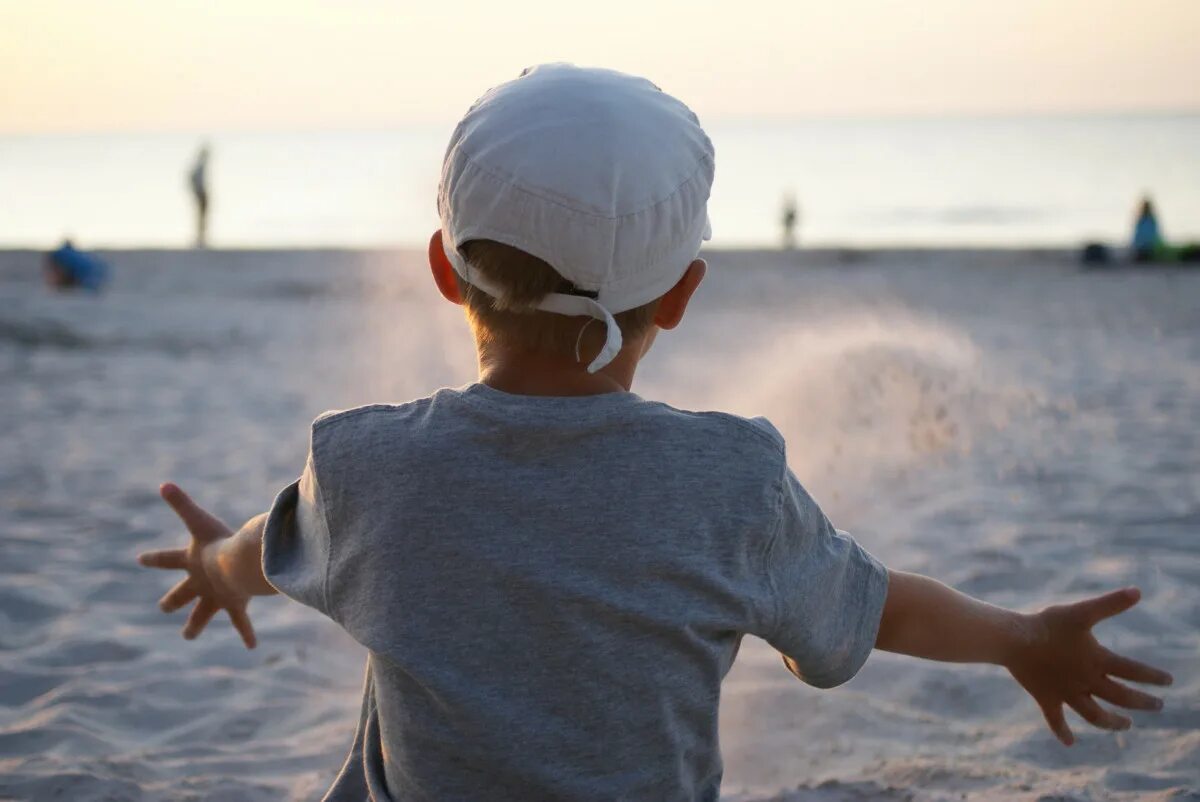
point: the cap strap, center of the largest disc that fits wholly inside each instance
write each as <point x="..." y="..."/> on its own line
<point x="579" y="305"/>
<point x="556" y="302"/>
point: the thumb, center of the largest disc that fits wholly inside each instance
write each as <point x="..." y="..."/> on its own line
<point x="1094" y="610"/>
<point x="200" y="522"/>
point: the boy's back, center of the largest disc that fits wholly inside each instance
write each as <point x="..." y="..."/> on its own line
<point x="551" y="589"/>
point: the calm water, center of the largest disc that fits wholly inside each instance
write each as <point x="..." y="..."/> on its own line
<point x="984" y="181"/>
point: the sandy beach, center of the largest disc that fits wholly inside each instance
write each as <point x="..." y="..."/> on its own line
<point x="1001" y="420"/>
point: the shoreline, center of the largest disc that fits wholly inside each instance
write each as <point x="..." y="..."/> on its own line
<point x="823" y="249"/>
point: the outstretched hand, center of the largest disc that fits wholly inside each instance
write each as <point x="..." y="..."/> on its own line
<point x="1063" y="663"/>
<point x="205" y="580"/>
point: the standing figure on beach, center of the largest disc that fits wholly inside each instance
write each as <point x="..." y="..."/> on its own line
<point x="1147" y="239"/>
<point x="198" y="182"/>
<point x="790" y="215"/>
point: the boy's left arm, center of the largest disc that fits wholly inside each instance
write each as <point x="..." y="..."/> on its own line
<point x="224" y="568"/>
<point x="1052" y="653"/>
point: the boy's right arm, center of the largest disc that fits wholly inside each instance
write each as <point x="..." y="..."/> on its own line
<point x="224" y="568"/>
<point x="1052" y="653"/>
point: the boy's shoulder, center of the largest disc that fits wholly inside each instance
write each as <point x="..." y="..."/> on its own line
<point x="369" y="419"/>
<point x="720" y="433"/>
<point x="341" y="418"/>
<point x="756" y="431"/>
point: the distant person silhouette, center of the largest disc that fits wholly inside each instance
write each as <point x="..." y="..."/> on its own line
<point x="198" y="181"/>
<point x="67" y="268"/>
<point x="1149" y="245"/>
<point x="790" y="216"/>
<point x="1147" y="242"/>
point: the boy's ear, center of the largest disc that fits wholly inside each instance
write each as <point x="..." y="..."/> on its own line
<point x="443" y="272"/>
<point x="672" y="305"/>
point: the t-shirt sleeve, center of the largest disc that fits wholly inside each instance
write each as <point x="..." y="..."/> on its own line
<point x="296" y="543"/>
<point x="827" y="593"/>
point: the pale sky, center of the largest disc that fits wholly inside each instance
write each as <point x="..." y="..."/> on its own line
<point x="206" y="65"/>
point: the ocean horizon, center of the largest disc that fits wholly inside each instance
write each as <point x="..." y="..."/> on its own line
<point x="979" y="181"/>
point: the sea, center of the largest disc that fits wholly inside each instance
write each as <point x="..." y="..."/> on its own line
<point x="988" y="181"/>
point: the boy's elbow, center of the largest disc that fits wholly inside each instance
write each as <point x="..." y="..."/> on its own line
<point x="823" y="680"/>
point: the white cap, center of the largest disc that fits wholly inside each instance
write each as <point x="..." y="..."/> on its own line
<point x="601" y="175"/>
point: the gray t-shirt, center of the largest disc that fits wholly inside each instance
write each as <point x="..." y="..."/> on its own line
<point x="551" y="590"/>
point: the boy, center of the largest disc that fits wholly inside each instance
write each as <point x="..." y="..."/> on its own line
<point x="550" y="574"/>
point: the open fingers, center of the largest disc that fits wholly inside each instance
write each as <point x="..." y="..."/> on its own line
<point x="1057" y="722"/>
<point x="200" y="522"/>
<point x="241" y="622"/>
<point x="1098" y="608"/>
<point x="1096" y="715"/>
<point x="1125" y="668"/>
<point x="178" y="596"/>
<point x="175" y="559"/>
<point x="202" y="613"/>
<point x="1123" y="695"/>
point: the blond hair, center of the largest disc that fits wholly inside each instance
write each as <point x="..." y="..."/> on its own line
<point x="512" y="319"/>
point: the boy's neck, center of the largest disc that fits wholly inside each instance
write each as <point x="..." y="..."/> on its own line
<point x="521" y="373"/>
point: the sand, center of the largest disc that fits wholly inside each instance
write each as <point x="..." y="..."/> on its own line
<point x="998" y="419"/>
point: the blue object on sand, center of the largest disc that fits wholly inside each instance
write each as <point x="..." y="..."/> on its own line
<point x="84" y="269"/>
